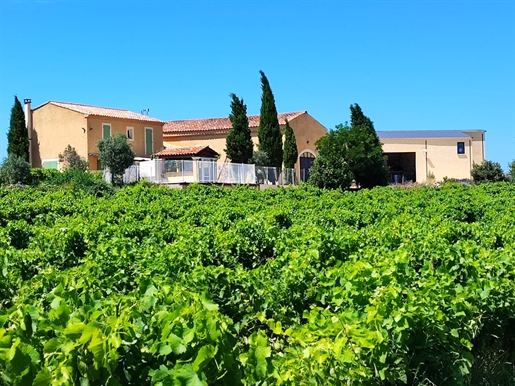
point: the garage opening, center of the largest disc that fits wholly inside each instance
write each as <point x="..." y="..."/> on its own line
<point x="401" y="167"/>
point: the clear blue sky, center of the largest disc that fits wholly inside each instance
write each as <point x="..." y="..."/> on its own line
<point x="410" y="65"/>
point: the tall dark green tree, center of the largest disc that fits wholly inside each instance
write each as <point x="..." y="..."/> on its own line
<point x="364" y="151"/>
<point x="18" y="135"/>
<point x="269" y="131"/>
<point x="238" y="144"/>
<point x="291" y="153"/>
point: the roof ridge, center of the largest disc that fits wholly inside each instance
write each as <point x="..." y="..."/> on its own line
<point x="85" y="105"/>
<point x="227" y="117"/>
<point x="389" y="131"/>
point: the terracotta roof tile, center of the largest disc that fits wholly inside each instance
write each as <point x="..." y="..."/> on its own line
<point x="105" y="112"/>
<point x="181" y="151"/>
<point x="217" y="124"/>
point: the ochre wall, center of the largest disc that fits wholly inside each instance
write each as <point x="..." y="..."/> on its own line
<point x="57" y="127"/>
<point x="442" y="158"/>
<point x="119" y="126"/>
<point x="54" y="129"/>
<point x="307" y="131"/>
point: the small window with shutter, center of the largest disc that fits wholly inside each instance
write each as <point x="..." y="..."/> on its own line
<point x="106" y="130"/>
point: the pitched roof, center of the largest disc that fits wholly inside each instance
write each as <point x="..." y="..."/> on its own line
<point x="421" y="134"/>
<point x="186" y="151"/>
<point x="103" y="111"/>
<point x="218" y="124"/>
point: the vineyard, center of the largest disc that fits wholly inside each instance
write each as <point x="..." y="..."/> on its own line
<point x="295" y="286"/>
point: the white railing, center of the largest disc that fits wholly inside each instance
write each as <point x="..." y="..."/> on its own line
<point x="207" y="171"/>
<point x="266" y="175"/>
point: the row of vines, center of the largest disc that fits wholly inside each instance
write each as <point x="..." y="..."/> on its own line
<point x="297" y="286"/>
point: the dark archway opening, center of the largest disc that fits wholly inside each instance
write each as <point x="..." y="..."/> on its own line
<point x="306" y="162"/>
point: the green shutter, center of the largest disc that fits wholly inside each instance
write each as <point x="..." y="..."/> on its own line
<point x="106" y="131"/>
<point x="149" y="141"/>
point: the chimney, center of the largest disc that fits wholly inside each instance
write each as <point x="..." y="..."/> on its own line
<point x="28" y="123"/>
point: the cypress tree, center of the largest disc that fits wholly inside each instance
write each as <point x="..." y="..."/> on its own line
<point x="290" y="147"/>
<point x="18" y="135"/>
<point x="269" y="131"/>
<point x="365" y="152"/>
<point x="238" y="144"/>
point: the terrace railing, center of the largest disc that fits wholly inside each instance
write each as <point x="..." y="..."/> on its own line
<point x="208" y="171"/>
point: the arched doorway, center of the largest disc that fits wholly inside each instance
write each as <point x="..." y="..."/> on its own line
<point x="306" y="160"/>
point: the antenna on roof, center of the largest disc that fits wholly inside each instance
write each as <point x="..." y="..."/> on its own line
<point x="145" y="112"/>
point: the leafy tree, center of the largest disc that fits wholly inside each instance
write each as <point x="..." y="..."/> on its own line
<point x="291" y="152"/>
<point x="73" y="161"/>
<point x="116" y="155"/>
<point x="353" y="152"/>
<point x="511" y="171"/>
<point x="15" y="170"/>
<point x="260" y="159"/>
<point x="364" y="151"/>
<point x="18" y="135"/>
<point x="269" y="131"/>
<point x="239" y="146"/>
<point x="330" y="169"/>
<point x="487" y="171"/>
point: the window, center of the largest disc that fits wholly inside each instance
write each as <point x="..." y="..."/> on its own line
<point x="461" y="148"/>
<point x="130" y="133"/>
<point x="106" y="130"/>
<point x="51" y="164"/>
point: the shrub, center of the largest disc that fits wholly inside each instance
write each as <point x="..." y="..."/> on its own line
<point x="15" y="170"/>
<point x="487" y="171"/>
<point x="38" y="176"/>
<point x="71" y="160"/>
<point x="92" y="183"/>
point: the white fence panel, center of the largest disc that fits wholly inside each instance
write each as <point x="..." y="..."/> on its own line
<point x="205" y="171"/>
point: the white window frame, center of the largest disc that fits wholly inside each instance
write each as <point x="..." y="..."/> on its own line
<point x="110" y="129"/>
<point x="152" y="129"/>
<point x="131" y="129"/>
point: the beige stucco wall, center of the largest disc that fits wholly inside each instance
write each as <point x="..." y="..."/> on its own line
<point x="307" y="131"/>
<point x="119" y="126"/>
<point x="441" y="157"/>
<point x="478" y="145"/>
<point x="54" y="129"/>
